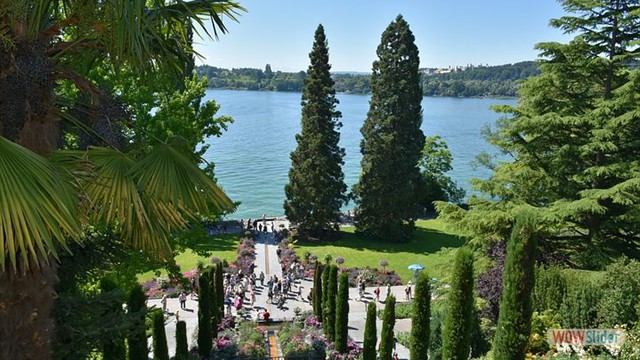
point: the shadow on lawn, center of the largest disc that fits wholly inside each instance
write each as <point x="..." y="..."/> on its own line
<point x="216" y="243"/>
<point x="424" y="241"/>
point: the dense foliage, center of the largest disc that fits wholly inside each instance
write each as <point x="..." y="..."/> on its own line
<point x="572" y="141"/>
<point x="514" y="320"/>
<point x="317" y="290"/>
<point x="387" y="191"/>
<point x="456" y="332"/>
<point x="342" y="314"/>
<point x="160" y="347"/>
<point x="316" y="189"/>
<point x="329" y="310"/>
<point x="205" y="330"/>
<point x="182" y="346"/>
<point x="436" y="185"/>
<point x="485" y="81"/>
<point x="387" y="337"/>
<point x="370" y="333"/>
<point x="137" y="337"/>
<point x="421" y="319"/>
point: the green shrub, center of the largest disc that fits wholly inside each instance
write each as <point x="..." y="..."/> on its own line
<point x="404" y="310"/>
<point x="540" y="324"/>
<point x="435" y="338"/>
<point x="549" y="289"/>
<point x="620" y="293"/>
<point x="580" y="306"/>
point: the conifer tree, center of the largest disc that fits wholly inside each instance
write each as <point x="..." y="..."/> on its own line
<point x="113" y="343"/>
<point x="325" y="290"/>
<point x="342" y="314"/>
<point x="386" y="193"/>
<point x="329" y="325"/>
<point x="316" y="188"/>
<point x="205" y="333"/>
<point x="219" y="294"/>
<point x="370" y="333"/>
<point x="317" y="291"/>
<point x="182" y="347"/>
<point x="160" y="348"/>
<point x="420" y="320"/>
<point x="137" y="337"/>
<point x="572" y="140"/>
<point x="386" y="334"/>
<point x="514" y="321"/>
<point x="456" y="332"/>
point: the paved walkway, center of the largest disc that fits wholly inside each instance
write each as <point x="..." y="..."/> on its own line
<point x="267" y="261"/>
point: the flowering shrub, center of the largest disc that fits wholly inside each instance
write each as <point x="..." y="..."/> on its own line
<point x="340" y="260"/>
<point x="353" y="351"/>
<point x="373" y="276"/>
<point x="383" y="263"/>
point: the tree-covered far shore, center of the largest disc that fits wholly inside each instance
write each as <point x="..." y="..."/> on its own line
<point x="478" y="81"/>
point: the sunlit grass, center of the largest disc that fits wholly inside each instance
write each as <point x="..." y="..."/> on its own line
<point x="431" y="246"/>
<point x="221" y="246"/>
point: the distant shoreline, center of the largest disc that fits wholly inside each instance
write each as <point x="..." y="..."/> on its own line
<point x="498" y="97"/>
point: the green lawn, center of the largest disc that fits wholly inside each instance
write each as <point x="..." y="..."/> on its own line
<point x="431" y="246"/>
<point x="221" y="246"/>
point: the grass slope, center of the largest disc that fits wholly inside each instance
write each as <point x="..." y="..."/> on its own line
<point x="431" y="246"/>
<point x="221" y="246"/>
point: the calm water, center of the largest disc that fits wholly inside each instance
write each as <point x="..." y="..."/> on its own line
<point x="252" y="157"/>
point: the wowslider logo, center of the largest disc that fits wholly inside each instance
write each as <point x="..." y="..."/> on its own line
<point x="586" y="337"/>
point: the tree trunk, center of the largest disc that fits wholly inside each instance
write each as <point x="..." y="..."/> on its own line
<point x="26" y="301"/>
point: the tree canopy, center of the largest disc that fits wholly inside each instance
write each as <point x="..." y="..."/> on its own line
<point x="572" y="141"/>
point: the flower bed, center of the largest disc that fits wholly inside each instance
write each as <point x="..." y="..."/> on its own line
<point x="244" y="341"/>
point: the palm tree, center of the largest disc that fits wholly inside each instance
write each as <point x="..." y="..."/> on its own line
<point x="47" y="195"/>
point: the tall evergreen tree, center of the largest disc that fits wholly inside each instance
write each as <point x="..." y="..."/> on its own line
<point x="205" y="333"/>
<point x="421" y="319"/>
<point x="325" y="290"/>
<point x="386" y="333"/>
<point x="137" y="337"/>
<point x="317" y="291"/>
<point x="316" y="188"/>
<point x="342" y="314"/>
<point x="514" y="321"/>
<point x="386" y="194"/>
<point x="573" y="140"/>
<point x="456" y="333"/>
<point x="182" y="346"/>
<point x="113" y="343"/>
<point x="160" y="347"/>
<point x="370" y="333"/>
<point x="218" y="283"/>
<point x="329" y="325"/>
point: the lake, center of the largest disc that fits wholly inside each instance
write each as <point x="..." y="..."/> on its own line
<point x="252" y="156"/>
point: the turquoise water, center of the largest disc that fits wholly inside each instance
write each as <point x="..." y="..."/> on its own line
<point x="252" y="156"/>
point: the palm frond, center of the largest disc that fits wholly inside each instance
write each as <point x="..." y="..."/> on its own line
<point x="37" y="208"/>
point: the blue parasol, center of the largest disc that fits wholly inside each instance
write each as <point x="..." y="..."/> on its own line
<point x="416" y="267"/>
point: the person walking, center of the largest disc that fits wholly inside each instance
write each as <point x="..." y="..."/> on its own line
<point x="163" y="301"/>
<point x="183" y="300"/>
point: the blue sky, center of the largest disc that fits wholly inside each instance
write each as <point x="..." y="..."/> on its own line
<point x="448" y="32"/>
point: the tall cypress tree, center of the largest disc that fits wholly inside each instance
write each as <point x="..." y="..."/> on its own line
<point x="317" y="291"/>
<point x="329" y="325"/>
<point x="370" y="333"/>
<point x="325" y="291"/>
<point x="456" y="333"/>
<point x="386" y="194"/>
<point x="342" y="314"/>
<point x="316" y="188"/>
<point x="205" y="334"/>
<point x="182" y="346"/>
<point x="113" y="343"/>
<point x="137" y="337"/>
<point x="219" y="293"/>
<point x="386" y="333"/>
<point x="420" y="321"/>
<point x="160" y="347"/>
<point x="514" y="321"/>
